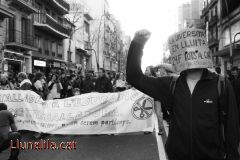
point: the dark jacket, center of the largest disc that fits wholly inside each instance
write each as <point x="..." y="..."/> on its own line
<point x="103" y="85"/>
<point x="236" y="87"/>
<point x="194" y="132"/>
<point x="88" y="86"/>
<point x="26" y="85"/>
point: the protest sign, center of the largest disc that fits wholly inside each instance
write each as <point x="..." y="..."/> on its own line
<point x="93" y="113"/>
<point x="189" y="49"/>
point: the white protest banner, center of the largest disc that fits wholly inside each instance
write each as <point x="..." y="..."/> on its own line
<point x="93" y="113"/>
<point x="189" y="49"/>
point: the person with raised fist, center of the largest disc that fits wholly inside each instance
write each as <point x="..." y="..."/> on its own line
<point x="203" y="123"/>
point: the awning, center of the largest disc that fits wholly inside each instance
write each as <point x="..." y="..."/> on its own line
<point x="11" y="55"/>
<point x="226" y="51"/>
<point x="83" y="52"/>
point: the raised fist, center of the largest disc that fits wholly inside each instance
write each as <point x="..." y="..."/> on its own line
<point x="142" y="36"/>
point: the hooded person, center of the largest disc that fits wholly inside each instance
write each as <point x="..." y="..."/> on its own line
<point x="194" y="130"/>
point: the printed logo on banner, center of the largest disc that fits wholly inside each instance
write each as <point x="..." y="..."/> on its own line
<point x="143" y="108"/>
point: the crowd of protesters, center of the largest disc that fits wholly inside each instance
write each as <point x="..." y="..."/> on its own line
<point x="61" y="85"/>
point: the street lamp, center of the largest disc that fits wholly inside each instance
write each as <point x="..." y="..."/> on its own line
<point x="91" y="49"/>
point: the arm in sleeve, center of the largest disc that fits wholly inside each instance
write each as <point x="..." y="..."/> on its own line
<point x="12" y="122"/>
<point x="110" y="87"/>
<point x="157" y="88"/>
<point x="232" y="126"/>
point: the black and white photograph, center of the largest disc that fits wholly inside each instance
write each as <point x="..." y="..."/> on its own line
<point x="119" y="79"/>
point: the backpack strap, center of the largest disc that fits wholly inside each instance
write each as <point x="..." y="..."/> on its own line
<point x="172" y="88"/>
<point x="173" y="85"/>
<point x="221" y="86"/>
<point x="222" y="104"/>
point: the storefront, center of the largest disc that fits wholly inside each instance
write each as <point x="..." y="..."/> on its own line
<point x="11" y="62"/>
<point x="39" y="65"/>
<point x="224" y="54"/>
<point x="57" y="66"/>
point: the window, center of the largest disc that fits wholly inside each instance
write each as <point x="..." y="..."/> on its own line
<point x="69" y="56"/>
<point x="38" y="43"/>
<point x="46" y="46"/>
<point x="60" y="50"/>
<point x="54" y="48"/>
<point x="86" y="27"/>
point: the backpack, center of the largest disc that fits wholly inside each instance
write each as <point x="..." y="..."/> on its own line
<point x="222" y="100"/>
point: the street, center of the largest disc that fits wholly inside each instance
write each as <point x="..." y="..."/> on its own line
<point x="136" y="146"/>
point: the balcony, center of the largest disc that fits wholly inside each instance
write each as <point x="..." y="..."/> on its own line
<point x="212" y="42"/>
<point x="24" y="5"/>
<point x="212" y="3"/>
<point x="213" y="21"/>
<point x="20" y="40"/>
<point x="60" y="5"/>
<point x="52" y="26"/>
<point x="5" y="12"/>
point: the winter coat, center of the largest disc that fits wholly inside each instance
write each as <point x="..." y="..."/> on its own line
<point x="103" y="85"/>
<point x="194" y="131"/>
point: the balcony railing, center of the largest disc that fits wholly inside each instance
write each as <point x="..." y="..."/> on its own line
<point x="213" y="20"/>
<point x="64" y="4"/>
<point x="26" y="5"/>
<point x="48" y="23"/>
<point x="18" y="38"/>
<point x="208" y="4"/>
<point x="212" y="42"/>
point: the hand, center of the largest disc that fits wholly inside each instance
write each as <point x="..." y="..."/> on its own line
<point x="142" y="36"/>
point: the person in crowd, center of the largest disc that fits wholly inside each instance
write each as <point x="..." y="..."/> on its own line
<point x="13" y="79"/>
<point x="63" y="80"/>
<point x="235" y="80"/>
<point x="76" y="92"/>
<point x="70" y="82"/>
<point x="45" y="87"/>
<point x="54" y="87"/>
<point x="218" y="70"/>
<point x="78" y="82"/>
<point x="121" y="83"/>
<point x="150" y="71"/>
<point x="31" y="77"/>
<point x="25" y="83"/>
<point x="7" y="137"/>
<point x="38" y="85"/>
<point x="103" y="84"/>
<point x="195" y="132"/>
<point x="5" y="83"/>
<point x="88" y="85"/>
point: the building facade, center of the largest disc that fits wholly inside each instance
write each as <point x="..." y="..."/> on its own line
<point x="79" y="49"/>
<point x="49" y="32"/>
<point x="222" y="25"/>
<point x="210" y="17"/>
<point x="189" y="15"/>
<point x="17" y="40"/>
<point x="184" y="13"/>
<point x="106" y="39"/>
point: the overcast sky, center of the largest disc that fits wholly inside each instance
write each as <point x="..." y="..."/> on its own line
<point x="158" y="16"/>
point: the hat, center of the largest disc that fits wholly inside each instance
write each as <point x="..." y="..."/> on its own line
<point x="189" y="50"/>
